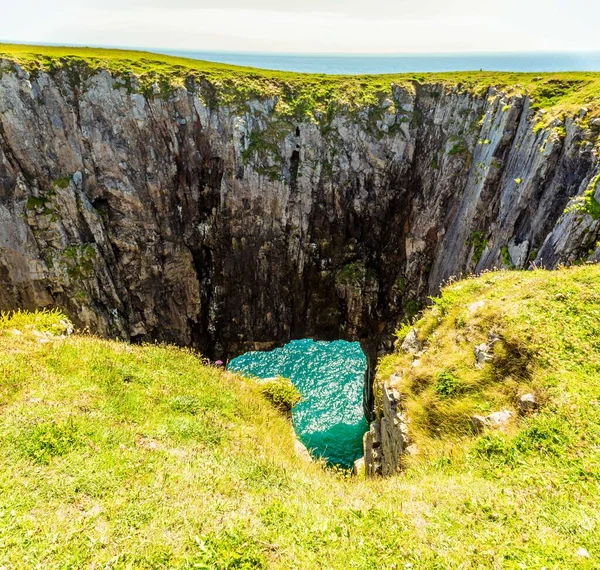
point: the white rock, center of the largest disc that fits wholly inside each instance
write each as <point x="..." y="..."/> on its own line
<point x="382" y="126"/>
<point x="518" y="252"/>
<point x="527" y="403"/>
<point x="68" y="327"/>
<point x="473" y="307"/>
<point x="301" y="451"/>
<point x="359" y="467"/>
<point x="483" y="354"/>
<point x="411" y="343"/>
<point x="498" y="419"/>
<point x="479" y="422"/>
<point x="494" y="420"/>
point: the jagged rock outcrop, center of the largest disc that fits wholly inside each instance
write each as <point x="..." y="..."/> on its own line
<point x="234" y="227"/>
<point x="387" y="440"/>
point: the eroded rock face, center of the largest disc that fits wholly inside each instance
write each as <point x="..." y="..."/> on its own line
<point x="411" y="343"/>
<point x="234" y="228"/>
<point x="388" y="440"/>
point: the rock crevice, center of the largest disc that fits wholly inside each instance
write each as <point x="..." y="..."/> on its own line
<point x="235" y="227"/>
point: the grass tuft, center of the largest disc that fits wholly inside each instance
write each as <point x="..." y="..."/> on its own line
<point x="52" y="321"/>
<point x="281" y="392"/>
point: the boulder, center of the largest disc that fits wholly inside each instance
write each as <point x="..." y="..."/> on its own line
<point x="359" y="468"/>
<point x="68" y="329"/>
<point x="583" y="553"/>
<point x="484" y="351"/>
<point x="411" y="343"/>
<point x="527" y="403"/>
<point x="479" y="422"/>
<point x="494" y="420"/>
<point x="498" y="419"/>
<point x="483" y="354"/>
<point x="518" y="252"/>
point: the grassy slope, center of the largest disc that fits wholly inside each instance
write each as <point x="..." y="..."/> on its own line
<point x="304" y="95"/>
<point x="124" y="456"/>
<point x="548" y="324"/>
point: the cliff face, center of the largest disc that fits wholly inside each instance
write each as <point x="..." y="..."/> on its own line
<point x="233" y="227"/>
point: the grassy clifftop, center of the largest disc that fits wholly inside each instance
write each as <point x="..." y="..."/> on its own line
<point x="125" y="456"/>
<point x="541" y="331"/>
<point x="302" y="95"/>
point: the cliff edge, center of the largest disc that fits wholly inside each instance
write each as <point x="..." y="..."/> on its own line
<point x="228" y="209"/>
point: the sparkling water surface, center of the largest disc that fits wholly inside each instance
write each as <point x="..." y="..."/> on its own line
<point x="330" y="376"/>
<point x="407" y="63"/>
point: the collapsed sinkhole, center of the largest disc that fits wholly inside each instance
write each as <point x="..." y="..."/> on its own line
<point x="330" y="419"/>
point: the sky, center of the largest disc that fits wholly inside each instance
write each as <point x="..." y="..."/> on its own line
<point x="309" y="26"/>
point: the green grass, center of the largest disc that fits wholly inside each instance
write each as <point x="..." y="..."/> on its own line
<point x="135" y="457"/>
<point x="352" y="274"/>
<point x="505" y="257"/>
<point x="63" y="182"/>
<point x="459" y="148"/>
<point x="587" y="203"/>
<point x="547" y="323"/>
<point x="299" y="96"/>
<point x="281" y="392"/>
<point x="479" y="243"/>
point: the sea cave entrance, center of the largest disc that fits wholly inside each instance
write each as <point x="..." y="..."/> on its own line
<point x="330" y="419"/>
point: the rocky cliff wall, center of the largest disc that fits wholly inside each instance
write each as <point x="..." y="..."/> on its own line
<point x="166" y="217"/>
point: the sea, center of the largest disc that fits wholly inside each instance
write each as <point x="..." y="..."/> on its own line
<point x="329" y="420"/>
<point x="410" y="63"/>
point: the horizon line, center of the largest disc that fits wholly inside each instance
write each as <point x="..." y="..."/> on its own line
<point x="166" y="50"/>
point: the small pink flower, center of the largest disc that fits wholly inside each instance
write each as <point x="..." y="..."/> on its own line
<point x="219" y="363"/>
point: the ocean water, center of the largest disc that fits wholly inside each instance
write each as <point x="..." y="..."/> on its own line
<point x="330" y="376"/>
<point x="411" y="63"/>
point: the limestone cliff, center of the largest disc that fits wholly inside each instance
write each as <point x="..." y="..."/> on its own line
<point x="153" y="216"/>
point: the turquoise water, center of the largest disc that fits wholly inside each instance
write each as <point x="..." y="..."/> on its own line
<point x="330" y="376"/>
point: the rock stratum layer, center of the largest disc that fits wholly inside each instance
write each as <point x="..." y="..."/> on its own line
<point x="153" y="216"/>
